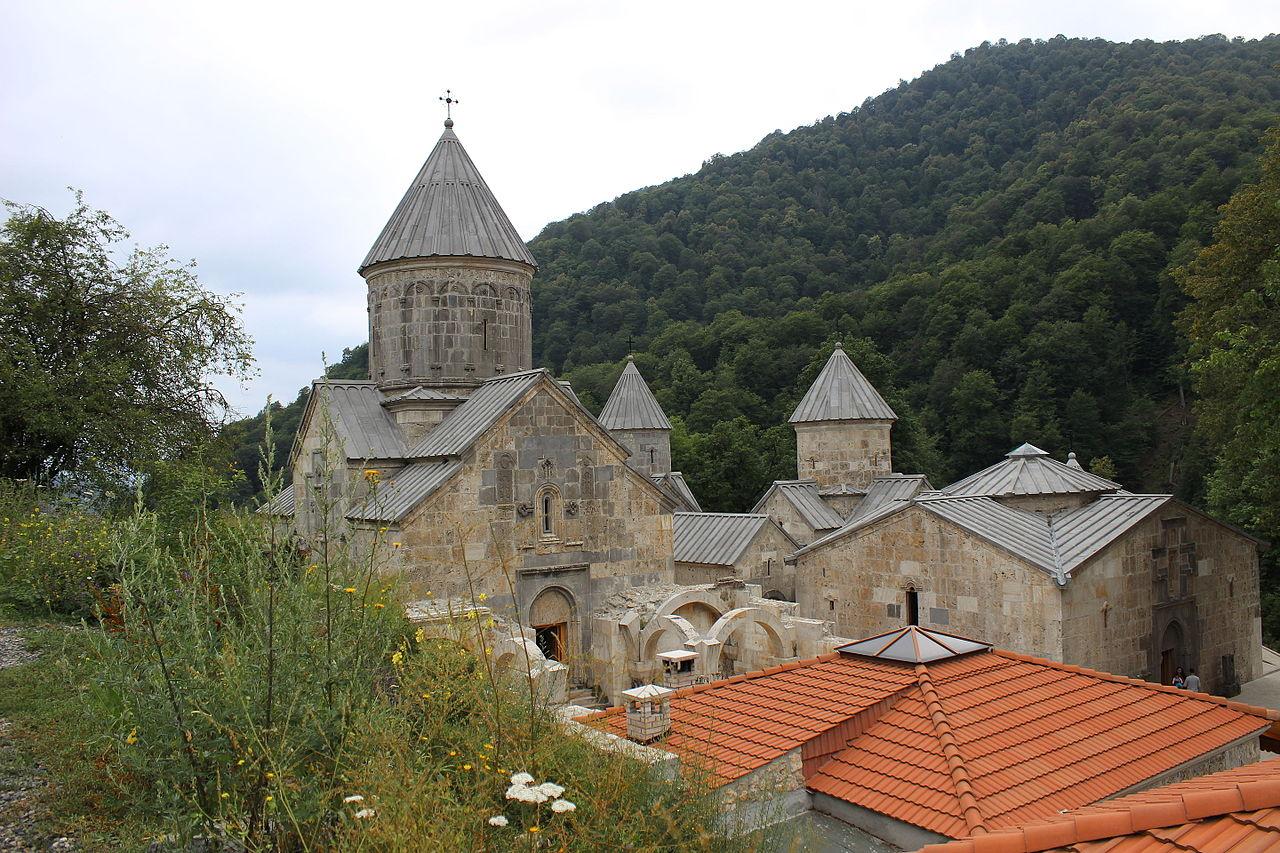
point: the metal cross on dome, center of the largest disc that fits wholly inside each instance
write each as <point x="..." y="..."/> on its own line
<point x="448" y="100"/>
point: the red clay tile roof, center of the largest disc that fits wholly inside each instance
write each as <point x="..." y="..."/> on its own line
<point x="960" y="746"/>
<point x="1236" y="810"/>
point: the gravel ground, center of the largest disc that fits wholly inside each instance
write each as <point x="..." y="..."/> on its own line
<point x="19" y="806"/>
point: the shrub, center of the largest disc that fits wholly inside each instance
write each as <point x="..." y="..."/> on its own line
<point x="52" y="554"/>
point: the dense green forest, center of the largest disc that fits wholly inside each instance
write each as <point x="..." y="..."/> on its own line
<point x="995" y="242"/>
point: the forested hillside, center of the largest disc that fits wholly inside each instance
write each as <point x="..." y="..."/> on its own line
<point x="993" y="241"/>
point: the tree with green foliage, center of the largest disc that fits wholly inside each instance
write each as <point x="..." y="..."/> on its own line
<point x="1233" y="325"/>
<point x="105" y="358"/>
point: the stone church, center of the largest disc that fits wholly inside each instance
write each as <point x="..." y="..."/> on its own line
<point x="488" y="480"/>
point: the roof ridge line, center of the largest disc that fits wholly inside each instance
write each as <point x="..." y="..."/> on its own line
<point x="973" y="817"/>
<point x="1253" y="710"/>
<point x="734" y="679"/>
<point x="1060" y="574"/>
<point x="1143" y="816"/>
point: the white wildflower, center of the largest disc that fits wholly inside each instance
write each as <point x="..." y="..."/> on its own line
<point x="498" y="820"/>
<point x="365" y="813"/>
<point x="562" y="806"/>
<point x="354" y="798"/>
<point x="522" y="779"/>
<point x="551" y="789"/>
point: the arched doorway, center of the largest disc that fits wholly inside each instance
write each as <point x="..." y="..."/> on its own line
<point x="551" y="616"/>
<point x="1170" y="652"/>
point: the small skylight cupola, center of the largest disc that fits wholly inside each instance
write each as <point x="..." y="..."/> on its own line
<point x="913" y="644"/>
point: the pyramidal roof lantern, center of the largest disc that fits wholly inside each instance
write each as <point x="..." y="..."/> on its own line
<point x="448" y="211"/>
<point x="842" y="393"/>
<point x="632" y="405"/>
<point x="1026" y="449"/>
<point x="1072" y="462"/>
<point x="913" y="644"/>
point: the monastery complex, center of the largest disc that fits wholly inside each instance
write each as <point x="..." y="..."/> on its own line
<point x="793" y="646"/>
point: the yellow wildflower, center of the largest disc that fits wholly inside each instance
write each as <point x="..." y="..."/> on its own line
<point x="271" y="776"/>
<point x="350" y="590"/>
<point x="466" y="767"/>
<point x="132" y="737"/>
<point x="372" y="474"/>
<point x="397" y="658"/>
<point x="379" y="605"/>
<point x="270" y="798"/>
<point x="225" y="795"/>
<point x="534" y="829"/>
<point x="482" y="596"/>
<point x="419" y="635"/>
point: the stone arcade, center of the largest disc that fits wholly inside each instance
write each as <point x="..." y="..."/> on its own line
<point x="596" y="561"/>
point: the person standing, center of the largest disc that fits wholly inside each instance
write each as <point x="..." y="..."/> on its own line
<point x="1193" y="681"/>
<point x="1179" y="680"/>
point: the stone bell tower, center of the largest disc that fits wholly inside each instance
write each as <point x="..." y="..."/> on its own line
<point x="842" y="429"/>
<point x="449" y="283"/>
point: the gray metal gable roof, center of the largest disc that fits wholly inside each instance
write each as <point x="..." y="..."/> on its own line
<point x="365" y="428"/>
<point x="632" y="405"/>
<point x="1081" y="533"/>
<point x="1024" y="534"/>
<point x="1028" y="470"/>
<point x="283" y="504"/>
<point x="674" y="481"/>
<point x="1058" y="544"/>
<point x="842" y="393"/>
<point x="714" y="538"/>
<point x="456" y="433"/>
<point x="394" y="497"/>
<point x="448" y="211"/>
<point x="803" y="496"/>
<point x="885" y="490"/>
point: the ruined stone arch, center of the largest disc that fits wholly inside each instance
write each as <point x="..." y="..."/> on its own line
<point x="680" y="599"/>
<point x="729" y="624"/>
<point x="660" y="625"/>
<point x="517" y="654"/>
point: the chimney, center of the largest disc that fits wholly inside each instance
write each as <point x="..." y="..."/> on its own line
<point x="648" y="712"/>
<point x="677" y="668"/>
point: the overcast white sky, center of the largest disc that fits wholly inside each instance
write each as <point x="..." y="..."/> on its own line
<point x="270" y="141"/>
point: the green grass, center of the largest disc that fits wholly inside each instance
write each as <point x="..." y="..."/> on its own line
<point x="50" y="726"/>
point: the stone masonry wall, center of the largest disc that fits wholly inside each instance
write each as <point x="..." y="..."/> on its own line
<point x="965" y="585"/>
<point x="446" y="321"/>
<point x="843" y="452"/>
<point x="640" y="442"/>
<point x="780" y="510"/>
<point x="483" y="531"/>
<point x="1108" y="620"/>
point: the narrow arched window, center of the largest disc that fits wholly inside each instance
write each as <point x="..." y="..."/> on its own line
<point x="547" y="505"/>
<point x="913" y="607"/>
<point x="547" y="527"/>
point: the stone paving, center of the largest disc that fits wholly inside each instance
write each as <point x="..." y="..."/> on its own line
<point x="19" y="803"/>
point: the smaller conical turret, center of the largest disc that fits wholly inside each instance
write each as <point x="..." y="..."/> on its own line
<point x="632" y="415"/>
<point x="842" y="428"/>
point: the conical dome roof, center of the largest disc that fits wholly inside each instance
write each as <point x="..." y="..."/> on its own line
<point x="448" y="211"/>
<point x="632" y="405"/>
<point x="842" y="393"/>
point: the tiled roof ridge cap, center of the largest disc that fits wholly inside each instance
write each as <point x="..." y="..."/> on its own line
<point x="960" y="780"/>
<point x="1241" y="707"/>
<point x="746" y="676"/>
<point x="1115" y="818"/>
